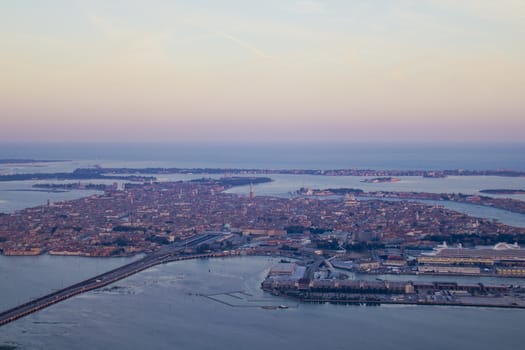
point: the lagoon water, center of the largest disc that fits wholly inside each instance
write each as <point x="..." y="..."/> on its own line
<point x="162" y="308"/>
<point x="27" y="277"/>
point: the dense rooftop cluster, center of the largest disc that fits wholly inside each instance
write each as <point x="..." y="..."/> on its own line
<point x="142" y="217"/>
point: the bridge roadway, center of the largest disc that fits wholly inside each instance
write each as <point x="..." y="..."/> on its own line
<point x="165" y="254"/>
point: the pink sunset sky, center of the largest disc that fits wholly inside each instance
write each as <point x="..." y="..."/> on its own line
<point x="277" y="70"/>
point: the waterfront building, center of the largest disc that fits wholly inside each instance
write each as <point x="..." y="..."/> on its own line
<point x="501" y="253"/>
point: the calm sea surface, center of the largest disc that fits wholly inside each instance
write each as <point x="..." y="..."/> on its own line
<point x="26" y="277"/>
<point x="285" y="156"/>
<point x="163" y="307"/>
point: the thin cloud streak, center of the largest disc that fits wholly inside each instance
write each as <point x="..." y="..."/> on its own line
<point x="243" y="44"/>
<point x="214" y="69"/>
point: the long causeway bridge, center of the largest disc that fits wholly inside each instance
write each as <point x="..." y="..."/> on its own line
<point x="167" y="254"/>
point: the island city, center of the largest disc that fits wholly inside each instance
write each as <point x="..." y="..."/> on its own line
<point x="320" y="234"/>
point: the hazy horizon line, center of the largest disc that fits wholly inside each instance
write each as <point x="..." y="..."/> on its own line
<point x="272" y="143"/>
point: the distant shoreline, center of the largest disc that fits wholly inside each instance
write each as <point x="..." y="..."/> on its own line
<point x="376" y="180"/>
<point x="147" y="174"/>
<point x="31" y="161"/>
<point x="509" y="204"/>
<point x="502" y="191"/>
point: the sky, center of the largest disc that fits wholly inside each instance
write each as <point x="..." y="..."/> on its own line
<point x="262" y="71"/>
